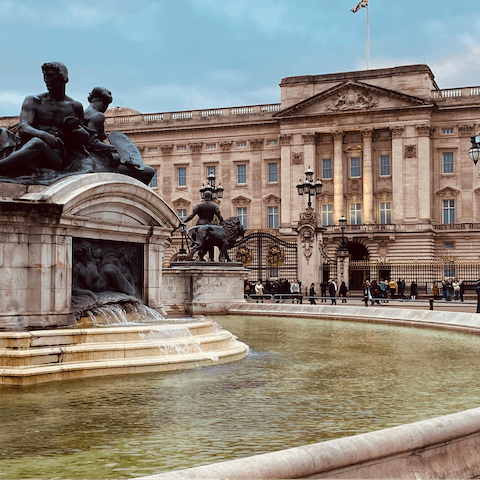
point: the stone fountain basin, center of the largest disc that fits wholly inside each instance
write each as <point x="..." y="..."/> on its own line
<point x="48" y="355"/>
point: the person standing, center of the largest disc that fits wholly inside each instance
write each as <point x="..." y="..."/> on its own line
<point x="384" y="290"/>
<point x="462" y="290"/>
<point x="343" y="292"/>
<point x="456" y="289"/>
<point x="413" y="290"/>
<point x="323" y="290"/>
<point x="312" y="293"/>
<point x="435" y="290"/>
<point x="259" y="288"/>
<point x="392" y="285"/>
<point x="332" y="290"/>
<point x="295" y="290"/>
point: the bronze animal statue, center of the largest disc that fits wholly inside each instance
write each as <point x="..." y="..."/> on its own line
<point x="221" y="236"/>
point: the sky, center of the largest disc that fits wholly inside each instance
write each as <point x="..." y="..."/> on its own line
<point x="174" y="55"/>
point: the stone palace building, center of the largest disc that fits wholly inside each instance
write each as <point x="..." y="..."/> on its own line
<point x="389" y="146"/>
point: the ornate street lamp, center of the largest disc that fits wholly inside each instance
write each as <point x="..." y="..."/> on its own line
<point x="308" y="187"/>
<point x="343" y="250"/>
<point x="216" y="191"/>
<point x="475" y="149"/>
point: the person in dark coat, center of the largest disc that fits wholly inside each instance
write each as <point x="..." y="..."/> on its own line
<point x="323" y="290"/>
<point x="413" y="290"/>
<point x="462" y="290"/>
<point x="343" y="292"/>
<point x="312" y="293"/>
<point x="332" y="290"/>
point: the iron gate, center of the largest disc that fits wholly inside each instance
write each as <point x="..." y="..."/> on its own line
<point x="266" y="257"/>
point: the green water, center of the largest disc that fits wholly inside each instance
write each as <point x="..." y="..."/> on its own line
<point x="304" y="381"/>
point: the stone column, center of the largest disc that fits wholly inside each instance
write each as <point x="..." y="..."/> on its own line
<point x="338" y="206"/>
<point x="286" y="182"/>
<point x="424" y="133"/>
<point x="342" y="270"/>
<point x="397" y="174"/>
<point x="309" y="257"/>
<point x="309" y="150"/>
<point x="368" y="207"/>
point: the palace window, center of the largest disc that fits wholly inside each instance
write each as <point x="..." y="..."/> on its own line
<point x="182" y="213"/>
<point x="385" y="213"/>
<point x="448" y="211"/>
<point x="355" y="214"/>
<point x="273" y="172"/>
<point x="182" y="176"/>
<point x="272" y="142"/>
<point x="182" y="147"/>
<point x="153" y="150"/>
<point x="211" y="146"/>
<point x="327" y="214"/>
<point x="241" y="144"/>
<point x="447" y="131"/>
<point x="211" y="169"/>
<point x="354" y="167"/>
<point x="153" y="181"/>
<point x="241" y="173"/>
<point x="447" y="161"/>
<point x="327" y="168"/>
<point x="385" y="169"/>
<point x="273" y="217"/>
<point x="242" y="216"/>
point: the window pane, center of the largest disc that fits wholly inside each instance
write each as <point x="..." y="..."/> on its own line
<point x="355" y="213"/>
<point x="182" y="213"/>
<point x="242" y="216"/>
<point x="273" y="172"/>
<point x="327" y="215"/>
<point x="211" y="169"/>
<point x="384" y="164"/>
<point x="448" y="162"/>
<point x="273" y="217"/>
<point x="355" y="167"/>
<point x="153" y="181"/>
<point x="241" y="173"/>
<point x="449" y="211"/>
<point x="327" y="168"/>
<point x="385" y="212"/>
<point x="182" y="177"/>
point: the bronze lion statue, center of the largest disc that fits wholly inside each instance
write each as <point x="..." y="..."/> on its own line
<point x="224" y="236"/>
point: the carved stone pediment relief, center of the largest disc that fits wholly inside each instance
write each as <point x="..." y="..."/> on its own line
<point x="272" y="200"/>
<point x="285" y="139"/>
<point x="466" y="130"/>
<point x="181" y="203"/>
<point x="352" y="96"/>
<point x="383" y="193"/>
<point x="240" y="200"/>
<point x="256" y="144"/>
<point x="447" y="192"/>
<point x="353" y="149"/>
<point x="225" y="145"/>
<point x="196" y="147"/>
<point x="351" y="99"/>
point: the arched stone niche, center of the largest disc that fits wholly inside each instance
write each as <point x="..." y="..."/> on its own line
<point x="38" y="231"/>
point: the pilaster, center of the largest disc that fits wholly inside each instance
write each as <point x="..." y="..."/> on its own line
<point x="368" y="177"/>
<point x="286" y="183"/>
<point x="425" y="133"/>
<point x="338" y="202"/>
<point x="397" y="173"/>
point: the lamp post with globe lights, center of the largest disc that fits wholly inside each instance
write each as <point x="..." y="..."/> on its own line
<point x="475" y="156"/>
<point x="308" y="187"/>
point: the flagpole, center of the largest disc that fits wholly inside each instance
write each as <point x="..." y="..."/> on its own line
<point x="368" y="38"/>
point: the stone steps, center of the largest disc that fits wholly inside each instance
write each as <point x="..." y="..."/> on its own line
<point x="42" y="356"/>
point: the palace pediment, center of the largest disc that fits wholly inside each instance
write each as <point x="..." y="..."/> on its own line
<point x="352" y="97"/>
<point x="447" y="192"/>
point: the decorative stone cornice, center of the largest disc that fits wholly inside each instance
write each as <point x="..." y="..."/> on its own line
<point x="166" y="149"/>
<point x="180" y="202"/>
<point x="256" y="144"/>
<point x="466" y="130"/>
<point x="410" y="151"/>
<point x="397" y="131"/>
<point x="225" y="145"/>
<point x="309" y="138"/>
<point x="196" y="147"/>
<point x="367" y="133"/>
<point x="285" y="139"/>
<point x="425" y="130"/>
<point x="297" y="158"/>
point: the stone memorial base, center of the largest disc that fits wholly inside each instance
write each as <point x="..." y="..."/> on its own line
<point x="205" y="288"/>
<point x="39" y="226"/>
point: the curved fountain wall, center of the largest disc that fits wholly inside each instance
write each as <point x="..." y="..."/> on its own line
<point x="443" y="447"/>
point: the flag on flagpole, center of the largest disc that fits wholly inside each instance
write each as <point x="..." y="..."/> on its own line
<point x="359" y="5"/>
